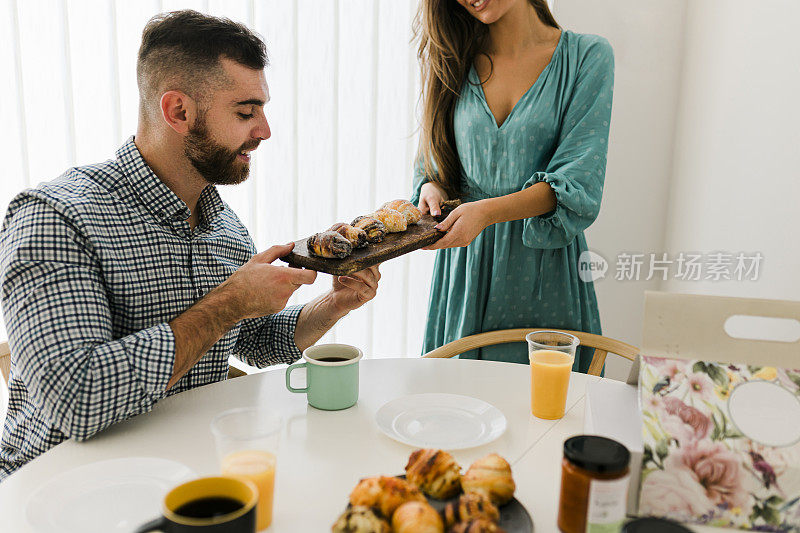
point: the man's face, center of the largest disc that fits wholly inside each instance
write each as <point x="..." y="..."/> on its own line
<point x="230" y="127"/>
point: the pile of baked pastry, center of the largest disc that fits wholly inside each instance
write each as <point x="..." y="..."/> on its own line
<point x="341" y="239"/>
<point x="387" y="504"/>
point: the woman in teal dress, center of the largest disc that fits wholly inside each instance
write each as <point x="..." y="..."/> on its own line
<point x="515" y="120"/>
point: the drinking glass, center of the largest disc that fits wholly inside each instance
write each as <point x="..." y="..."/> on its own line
<point x="552" y="354"/>
<point x="247" y="446"/>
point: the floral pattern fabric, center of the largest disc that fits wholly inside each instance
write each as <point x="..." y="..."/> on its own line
<point x="697" y="466"/>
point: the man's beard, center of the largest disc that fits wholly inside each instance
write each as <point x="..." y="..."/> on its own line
<point x="218" y="165"/>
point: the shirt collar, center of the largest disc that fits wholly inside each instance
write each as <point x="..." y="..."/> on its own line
<point x="210" y="204"/>
<point x="473" y="83"/>
<point x="157" y="198"/>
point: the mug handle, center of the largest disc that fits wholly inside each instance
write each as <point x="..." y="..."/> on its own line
<point x="288" y="377"/>
<point x="159" y="524"/>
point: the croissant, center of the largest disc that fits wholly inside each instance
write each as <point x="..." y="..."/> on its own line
<point x="468" y="507"/>
<point x="408" y="209"/>
<point x="356" y="236"/>
<point x="394" y="204"/>
<point x="360" y="519"/>
<point x="416" y="517"/>
<point x="394" y="220"/>
<point x="491" y="476"/>
<point x="411" y="212"/>
<point x="435" y="472"/>
<point x="384" y="493"/>
<point x="478" y="525"/>
<point x="374" y="228"/>
<point x="329" y="244"/>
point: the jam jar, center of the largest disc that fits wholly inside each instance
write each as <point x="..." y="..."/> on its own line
<point x="594" y="485"/>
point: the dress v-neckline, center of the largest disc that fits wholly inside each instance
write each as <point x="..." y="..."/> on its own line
<point x="540" y="77"/>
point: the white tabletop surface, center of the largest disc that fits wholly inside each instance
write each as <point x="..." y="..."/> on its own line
<point x="323" y="454"/>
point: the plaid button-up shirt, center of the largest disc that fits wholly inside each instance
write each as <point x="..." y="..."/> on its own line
<point x="93" y="266"/>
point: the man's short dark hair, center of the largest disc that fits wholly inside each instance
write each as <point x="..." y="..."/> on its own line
<point x="181" y="50"/>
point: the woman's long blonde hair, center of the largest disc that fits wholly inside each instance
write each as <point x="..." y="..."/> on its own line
<point x="449" y="39"/>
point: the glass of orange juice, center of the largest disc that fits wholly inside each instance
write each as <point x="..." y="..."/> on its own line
<point x="247" y="445"/>
<point x="551" y="354"/>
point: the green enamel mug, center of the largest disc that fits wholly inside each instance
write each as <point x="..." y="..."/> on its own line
<point x="331" y="376"/>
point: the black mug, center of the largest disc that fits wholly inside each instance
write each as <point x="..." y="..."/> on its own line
<point x="208" y="505"/>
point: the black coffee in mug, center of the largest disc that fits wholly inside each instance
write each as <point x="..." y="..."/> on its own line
<point x="218" y="504"/>
<point x="209" y="507"/>
<point x="333" y="359"/>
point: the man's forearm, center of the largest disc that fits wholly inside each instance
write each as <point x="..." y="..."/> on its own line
<point x="199" y="327"/>
<point x="316" y="318"/>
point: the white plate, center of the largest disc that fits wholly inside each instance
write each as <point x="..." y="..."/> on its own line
<point x="106" y="496"/>
<point x="444" y="421"/>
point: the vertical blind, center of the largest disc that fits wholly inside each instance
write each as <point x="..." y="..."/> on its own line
<point x="344" y="86"/>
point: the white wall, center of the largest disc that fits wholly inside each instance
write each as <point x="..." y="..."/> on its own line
<point x="647" y="37"/>
<point x="704" y="154"/>
<point x="736" y="185"/>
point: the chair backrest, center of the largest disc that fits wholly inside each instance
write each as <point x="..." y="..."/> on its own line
<point x="234" y="372"/>
<point x="602" y="345"/>
<point x="5" y="360"/>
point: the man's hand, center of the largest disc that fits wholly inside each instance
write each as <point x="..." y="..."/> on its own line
<point x="256" y="289"/>
<point x="352" y="291"/>
<point x="260" y="288"/>
<point x="322" y="313"/>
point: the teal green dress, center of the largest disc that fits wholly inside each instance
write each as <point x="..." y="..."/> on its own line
<point x="524" y="273"/>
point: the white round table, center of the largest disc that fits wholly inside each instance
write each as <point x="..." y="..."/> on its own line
<point x="323" y="454"/>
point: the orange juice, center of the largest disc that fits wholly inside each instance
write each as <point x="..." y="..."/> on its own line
<point x="259" y="467"/>
<point x="550" y="371"/>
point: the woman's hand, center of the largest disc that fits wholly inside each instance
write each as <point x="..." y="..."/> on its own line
<point x="431" y="197"/>
<point x="462" y="225"/>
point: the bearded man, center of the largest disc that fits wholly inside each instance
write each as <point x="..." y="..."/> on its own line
<point x="128" y="281"/>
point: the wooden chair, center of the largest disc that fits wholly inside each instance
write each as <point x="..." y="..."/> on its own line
<point x="5" y="364"/>
<point x="602" y="345"/>
<point x="5" y="360"/>
<point x="234" y="372"/>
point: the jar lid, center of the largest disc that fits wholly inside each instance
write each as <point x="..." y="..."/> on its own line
<point x="653" y="525"/>
<point x="596" y="454"/>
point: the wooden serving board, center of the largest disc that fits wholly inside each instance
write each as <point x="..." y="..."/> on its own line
<point x="393" y="245"/>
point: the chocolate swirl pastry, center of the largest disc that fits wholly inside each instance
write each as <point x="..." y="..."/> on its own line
<point x="384" y="493"/>
<point x="329" y="244"/>
<point x="478" y="525"/>
<point x="435" y="472"/>
<point x="394" y="220"/>
<point x="416" y="517"/>
<point x="360" y="519"/>
<point x="374" y="228"/>
<point x="470" y="506"/>
<point x="490" y="476"/>
<point x="356" y="236"/>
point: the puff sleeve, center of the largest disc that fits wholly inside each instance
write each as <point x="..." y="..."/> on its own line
<point x="576" y="171"/>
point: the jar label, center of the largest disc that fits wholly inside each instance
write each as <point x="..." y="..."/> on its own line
<point x="607" y="504"/>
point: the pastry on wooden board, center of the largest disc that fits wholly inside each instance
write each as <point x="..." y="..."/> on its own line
<point x="374" y="228"/>
<point x="394" y="220"/>
<point x="356" y="236"/>
<point x="329" y="244"/>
